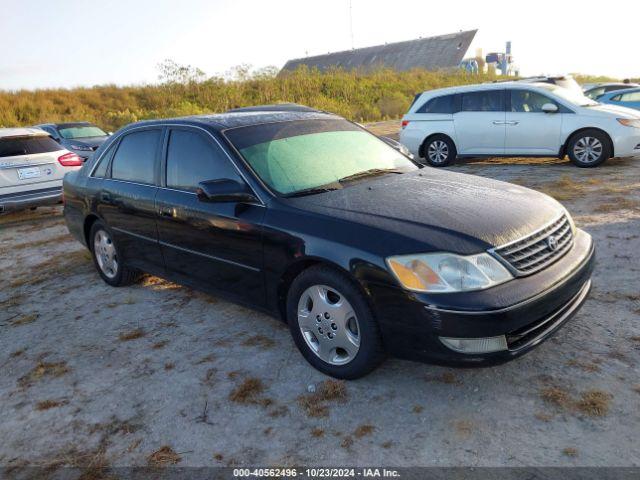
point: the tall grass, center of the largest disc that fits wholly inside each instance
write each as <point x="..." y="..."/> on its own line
<point x="360" y="96"/>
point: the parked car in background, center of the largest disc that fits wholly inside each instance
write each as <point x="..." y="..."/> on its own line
<point x="313" y="219"/>
<point x="81" y="138"/>
<point x="518" y="119"/>
<point x="629" y="98"/>
<point x="564" y="81"/>
<point x="32" y="166"/>
<point x="596" y="91"/>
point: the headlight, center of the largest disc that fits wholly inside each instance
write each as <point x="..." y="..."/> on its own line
<point x="629" y="122"/>
<point x="83" y="148"/>
<point x="448" y="272"/>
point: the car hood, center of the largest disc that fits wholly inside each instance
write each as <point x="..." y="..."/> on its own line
<point x="438" y="209"/>
<point x="94" y="142"/>
<point x="608" y="110"/>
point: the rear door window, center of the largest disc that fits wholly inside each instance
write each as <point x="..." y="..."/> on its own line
<point x="484" y="101"/>
<point x="16" y="146"/>
<point x="135" y="159"/>
<point x="192" y="158"/>
<point x="443" y="104"/>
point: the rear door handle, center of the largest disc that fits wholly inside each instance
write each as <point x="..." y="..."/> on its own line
<point x="496" y="122"/>
<point x="166" y="212"/>
<point x="512" y="123"/>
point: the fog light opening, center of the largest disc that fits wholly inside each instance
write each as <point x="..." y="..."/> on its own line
<point x="476" y="345"/>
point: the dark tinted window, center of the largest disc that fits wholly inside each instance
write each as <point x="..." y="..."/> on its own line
<point x="101" y="169"/>
<point x="444" y="104"/>
<point x="487" y="101"/>
<point x="134" y="160"/>
<point x="192" y="158"/>
<point x="528" y="101"/>
<point x="12" y="147"/>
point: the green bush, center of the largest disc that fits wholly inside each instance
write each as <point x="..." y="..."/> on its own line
<point x="360" y="96"/>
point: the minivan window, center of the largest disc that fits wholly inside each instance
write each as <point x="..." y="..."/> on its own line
<point x="529" y="101"/>
<point x="443" y="104"/>
<point x="485" y="101"/>
<point x="15" y="146"/>
<point x="134" y="160"/>
<point x="192" y="159"/>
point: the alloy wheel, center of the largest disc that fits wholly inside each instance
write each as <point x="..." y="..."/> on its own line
<point x="105" y="252"/>
<point x="438" y="151"/>
<point x="588" y="149"/>
<point x="329" y="324"/>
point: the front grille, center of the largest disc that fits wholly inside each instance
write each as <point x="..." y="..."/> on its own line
<point x="538" y="250"/>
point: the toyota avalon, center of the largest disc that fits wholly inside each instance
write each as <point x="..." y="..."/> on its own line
<point x="311" y="218"/>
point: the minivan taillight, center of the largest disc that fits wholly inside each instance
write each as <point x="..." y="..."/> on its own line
<point x="405" y="123"/>
<point x="70" y="160"/>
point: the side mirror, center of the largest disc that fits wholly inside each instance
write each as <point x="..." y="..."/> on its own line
<point x="549" y="108"/>
<point x="224" y="190"/>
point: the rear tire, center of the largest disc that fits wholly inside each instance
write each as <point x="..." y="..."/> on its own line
<point x="589" y="148"/>
<point x="332" y="324"/>
<point x="439" y="151"/>
<point x="106" y="257"/>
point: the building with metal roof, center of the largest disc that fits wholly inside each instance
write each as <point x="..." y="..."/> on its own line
<point x="432" y="53"/>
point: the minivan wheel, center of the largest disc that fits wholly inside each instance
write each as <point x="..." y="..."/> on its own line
<point x="332" y="324"/>
<point x="439" y="151"/>
<point x="588" y="148"/>
<point x="106" y="258"/>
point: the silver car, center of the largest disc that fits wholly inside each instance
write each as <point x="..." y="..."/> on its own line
<point x="32" y="166"/>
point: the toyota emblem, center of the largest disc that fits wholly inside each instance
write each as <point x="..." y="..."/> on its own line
<point x="552" y="243"/>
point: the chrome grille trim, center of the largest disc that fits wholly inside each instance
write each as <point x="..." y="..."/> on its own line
<point x="532" y="253"/>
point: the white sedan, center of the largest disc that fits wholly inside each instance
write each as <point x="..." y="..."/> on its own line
<point x="518" y="119"/>
<point x="32" y="166"/>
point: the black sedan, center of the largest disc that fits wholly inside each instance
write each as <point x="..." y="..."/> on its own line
<point x="309" y="217"/>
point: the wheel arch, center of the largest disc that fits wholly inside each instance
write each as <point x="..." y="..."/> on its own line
<point x="422" y="146"/>
<point x="294" y="269"/>
<point x="86" y="228"/>
<point x="563" y="148"/>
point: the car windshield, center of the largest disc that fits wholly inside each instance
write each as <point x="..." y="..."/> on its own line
<point x="81" y="131"/>
<point x="310" y="156"/>
<point x="572" y="96"/>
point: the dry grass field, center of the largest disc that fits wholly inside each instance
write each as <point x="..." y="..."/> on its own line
<point x="158" y="374"/>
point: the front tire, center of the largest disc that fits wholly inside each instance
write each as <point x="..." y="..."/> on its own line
<point x="332" y="324"/>
<point x="107" y="259"/>
<point x="439" y="151"/>
<point x="588" y="148"/>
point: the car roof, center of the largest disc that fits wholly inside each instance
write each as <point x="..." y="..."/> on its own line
<point x="223" y="121"/>
<point x="65" y="124"/>
<point x="490" y="86"/>
<point x="22" y="132"/>
<point x="277" y="107"/>
<point x="614" y="84"/>
<point x="613" y="93"/>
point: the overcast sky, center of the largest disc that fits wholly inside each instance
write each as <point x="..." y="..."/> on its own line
<point x="68" y="43"/>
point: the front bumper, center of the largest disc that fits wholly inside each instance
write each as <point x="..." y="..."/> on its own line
<point x="526" y="310"/>
<point x="33" y="198"/>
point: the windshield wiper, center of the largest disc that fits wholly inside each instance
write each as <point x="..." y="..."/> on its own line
<point x="312" y="191"/>
<point x="372" y="172"/>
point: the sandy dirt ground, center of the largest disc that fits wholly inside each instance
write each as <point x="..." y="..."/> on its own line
<point x="160" y="374"/>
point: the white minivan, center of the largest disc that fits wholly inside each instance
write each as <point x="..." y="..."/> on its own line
<point x="32" y="166"/>
<point x="517" y="119"/>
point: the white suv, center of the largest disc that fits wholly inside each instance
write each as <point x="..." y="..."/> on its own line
<point x="32" y="166"/>
<point x="518" y="119"/>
